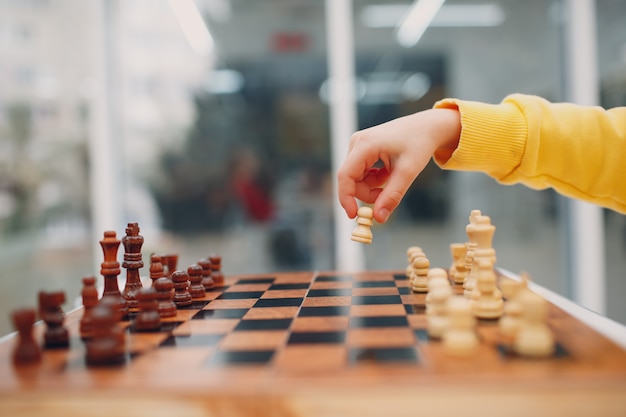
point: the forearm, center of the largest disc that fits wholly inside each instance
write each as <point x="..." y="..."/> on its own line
<point x="577" y="150"/>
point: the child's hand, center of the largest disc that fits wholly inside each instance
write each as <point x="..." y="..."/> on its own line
<point x="404" y="145"/>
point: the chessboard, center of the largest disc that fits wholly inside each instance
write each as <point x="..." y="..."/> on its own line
<point x="310" y="343"/>
<point x="198" y="341"/>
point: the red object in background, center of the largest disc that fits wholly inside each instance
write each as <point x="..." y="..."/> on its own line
<point x="256" y="203"/>
<point x="290" y="42"/>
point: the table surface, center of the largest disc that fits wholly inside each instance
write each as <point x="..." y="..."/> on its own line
<point x="322" y="343"/>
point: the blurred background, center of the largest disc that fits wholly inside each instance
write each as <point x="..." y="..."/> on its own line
<point x="208" y="123"/>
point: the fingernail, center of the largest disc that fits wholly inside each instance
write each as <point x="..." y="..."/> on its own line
<point x="384" y="213"/>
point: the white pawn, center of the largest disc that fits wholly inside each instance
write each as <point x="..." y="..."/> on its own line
<point x="460" y="338"/>
<point x="458" y="270"/>
<point x="436" y="277"/>
<point x="412" y="253"/>
<point x="362" y="233"/>
<point x="470" y="270"/>
<point x="419" y="276"/>
<point x="534" y="338"/>
<point x="439" y="293"/>
<point x="510" y="320"/>
<point x="487" y="302"/>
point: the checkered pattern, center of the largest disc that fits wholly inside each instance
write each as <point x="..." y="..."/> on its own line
<point x="336" y="319"/>
<point x="300" y="322"/>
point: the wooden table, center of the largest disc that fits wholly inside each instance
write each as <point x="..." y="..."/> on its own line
<point x="322" y="344"/>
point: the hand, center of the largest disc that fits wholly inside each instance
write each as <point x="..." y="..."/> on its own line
<point x="404" y="145"/>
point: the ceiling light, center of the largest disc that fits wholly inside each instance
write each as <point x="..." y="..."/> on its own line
<point x="450" y="15"/>
<point x="417" y="21"/>
<point x="193" y="26"/>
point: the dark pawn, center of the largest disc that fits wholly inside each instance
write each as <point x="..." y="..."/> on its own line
<point x="26" y="350"/>
<point x="165" y="296"/>
<point x="207" y="279"/>
<point x="156" y="268"/>
<point x="118" y="331"/>
<point x="170" y="263"/>
<point x="182" y="298"/>
<point x="55" y="336"/>
<point x="107" y="344"/>
<point x="148" y="318"/>
<point x="216" y="269"/>
<point x="196" y="289"/>
<point x="90" y="300"/>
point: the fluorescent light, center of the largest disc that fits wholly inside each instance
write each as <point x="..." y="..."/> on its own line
<point x="468" y="15"/>
<point x="450" y="15"/>
<point x="417" y="21"/>
<point x="193" y="26"/>
<point x="383" y="15"/>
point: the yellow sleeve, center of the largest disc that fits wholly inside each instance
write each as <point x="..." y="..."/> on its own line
<point x="577" y="150"/>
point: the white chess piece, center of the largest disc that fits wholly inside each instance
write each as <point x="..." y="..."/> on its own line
<point x="419" y="276"/>
<point x="439" y="293"/>
<point x="487" y="302"/>
<point x="362" y="233"/>
<point x="460" y="338"/>
<point x="534" y="338"/>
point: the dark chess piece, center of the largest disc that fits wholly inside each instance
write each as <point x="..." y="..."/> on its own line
<point x="133" y="262"/>
<point x="55" y="335"/>
<point x="90" y="300"/>
<point x="196" y="289"/>
<point x="156" y="268"/>
<point x="110" y="270"/>
<point x="170" y="263"/>
<point x="216" y="269"/>
<point x="165" y="296"/>
<point x="207" y="279"/>
<point x="148" y="318"/>
<point x="107" y="343"/>
<point x="182" y="297"/>
<point x="26" y="349"/>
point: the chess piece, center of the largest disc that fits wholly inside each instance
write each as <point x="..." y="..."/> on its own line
<point x="458" y="270"/>
<point x="170" y="264"/>
<point x="55" y="336"/>
<point x="419" y="276"/>
<point x="196" y="289"/>
<point x="533" y="338"/>
<point x="133" y="262"/>
<point x="412" y="253"/>
<point x="487" y="302"/>
<point x="90" y="300"/>
<point x="182" y="298"/>
<point x="165" y="295"/>
<point x="480" y="231"/>
<point x="439" y="293"/>
<point x="216" y="269"/>
<point x="362" y="233"/>
<point x="459" y="338"/>
<point x="110" y="270"/>
<point x="436" y="277"/>
<point x="156" y="268"/>
<point x="116" y="331"/>
<point x="470" y="270"/>
<point x="26" y="350"/>
<point x="207" y="278"/>
<point x="511" y="318"/>
<point x="106" y="346"/>
<point x="148" y="318"/>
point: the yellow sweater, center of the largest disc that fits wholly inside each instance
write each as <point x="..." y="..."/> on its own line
<point x="579" y="151"/>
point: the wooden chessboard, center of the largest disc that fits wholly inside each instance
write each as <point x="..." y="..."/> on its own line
<point x="315" y="344"/>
